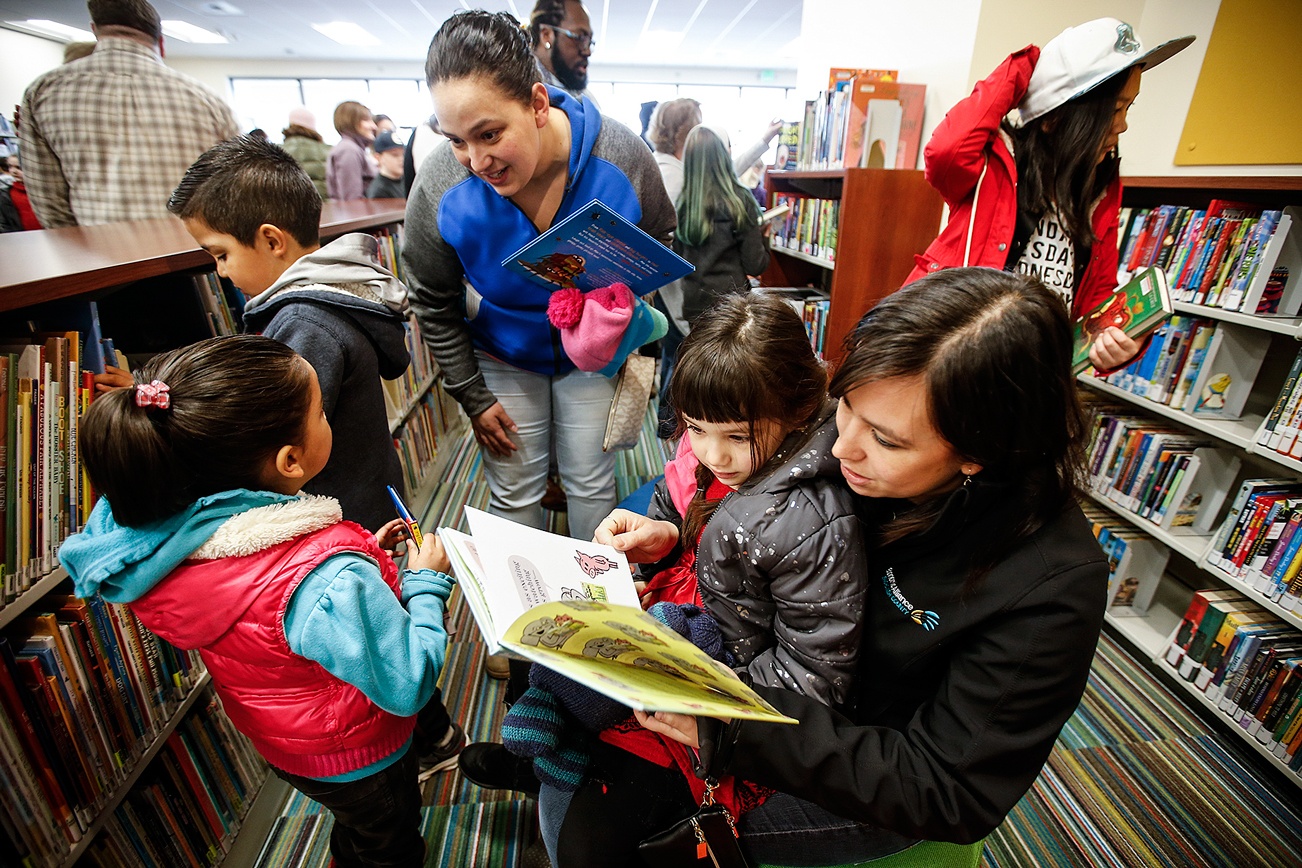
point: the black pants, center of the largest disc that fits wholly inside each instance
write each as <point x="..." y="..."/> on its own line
<point x="432" y="724"/>
<point x="377" y="818"/>
<point x="624" y="801"/>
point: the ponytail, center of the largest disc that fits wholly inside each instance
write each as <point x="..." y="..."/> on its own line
<point x="204" y="419"/>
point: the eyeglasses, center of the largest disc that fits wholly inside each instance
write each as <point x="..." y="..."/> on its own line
<point x="583" y="40"/>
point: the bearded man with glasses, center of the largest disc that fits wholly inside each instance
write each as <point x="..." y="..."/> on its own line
<point x="561" y="35"/>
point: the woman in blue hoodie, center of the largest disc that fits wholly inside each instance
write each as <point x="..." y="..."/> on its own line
<point x="520" y="157"/>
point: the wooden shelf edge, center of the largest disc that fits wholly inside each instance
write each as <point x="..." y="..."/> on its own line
<point x="31" y="596"/>
<point x="1286" y="183"/>
<point x="124" y="786"/>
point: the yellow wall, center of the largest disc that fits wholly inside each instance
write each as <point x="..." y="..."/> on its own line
<point x="1251" y="74"/>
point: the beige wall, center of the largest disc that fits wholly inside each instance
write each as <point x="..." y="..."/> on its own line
<point x="23" y="58"/>
<point x="928" y="41"/>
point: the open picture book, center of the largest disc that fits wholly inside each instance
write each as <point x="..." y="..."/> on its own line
<point x="571" y="606"/>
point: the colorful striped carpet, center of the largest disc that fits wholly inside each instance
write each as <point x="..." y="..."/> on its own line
<point x="1136" y="779"/>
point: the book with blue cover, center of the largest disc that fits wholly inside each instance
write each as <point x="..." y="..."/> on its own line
<point x="595" y="247"/>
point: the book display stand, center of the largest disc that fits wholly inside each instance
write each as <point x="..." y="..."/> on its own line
<point x="144" y="753"/>
<point x="1192" y="447"/>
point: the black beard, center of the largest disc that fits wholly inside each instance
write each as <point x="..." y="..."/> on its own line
<point x="568" y="77"/>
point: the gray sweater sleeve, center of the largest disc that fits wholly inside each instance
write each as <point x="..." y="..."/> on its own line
<point x="436" y="283"/>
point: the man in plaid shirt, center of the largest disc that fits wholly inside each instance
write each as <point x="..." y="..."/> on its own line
<point x="109" y="137"/>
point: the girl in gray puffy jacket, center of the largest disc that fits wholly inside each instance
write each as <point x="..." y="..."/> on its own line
<point x="758" y="524"/>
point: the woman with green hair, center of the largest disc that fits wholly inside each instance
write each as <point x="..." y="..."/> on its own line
<point x="719" y="233"/>
<point x="718" y="225"/>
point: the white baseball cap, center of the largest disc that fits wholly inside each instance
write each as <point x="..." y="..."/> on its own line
<point x="1081" y="58"/>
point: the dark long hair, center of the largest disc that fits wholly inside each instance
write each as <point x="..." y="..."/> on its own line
<point x="1057" y="160"/>
<point x="994" y="351"/>
<point x="234" y="402"/>
<point x="747" y="359"/>
<point x="488" y="44"/>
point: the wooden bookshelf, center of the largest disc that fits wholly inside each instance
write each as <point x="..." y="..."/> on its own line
<point x="1277" y="338"/>
<point x="97" y="261"/>
<point x="887" y="217"/>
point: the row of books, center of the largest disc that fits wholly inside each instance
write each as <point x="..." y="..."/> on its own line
<point x="400" y="393"/>
<point x="1222" y="256"/>
<point x="1136" y="562"/>
<point x="43" y="391"/>
<point x="1259" y="542"/>
<point x="1196" y="365"/>
<point x="417" y="440"/>
<point x="1247" y="663"/>
<point x="84" y="689"/>
<point x="813" y="305"/>
<point x="865" y="119"/>
<point x="1160" y="473"/>
<point x="189" y="804"/>
<point x="809" y="227"/>
<point x="222" y="304"/>
<point x="1280" y="431"/>
<point x="390" y="240"/>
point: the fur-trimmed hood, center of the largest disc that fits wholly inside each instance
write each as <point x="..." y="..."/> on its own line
<point x="122" y="564"/>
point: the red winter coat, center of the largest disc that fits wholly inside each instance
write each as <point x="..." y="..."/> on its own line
<point x="970" y="162"/>
<point x="299" y="716"/>
<point x="18" y="195"/>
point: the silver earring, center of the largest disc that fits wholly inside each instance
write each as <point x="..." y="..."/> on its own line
<point x="967" y="481"/>
<point x="547" y="45"/>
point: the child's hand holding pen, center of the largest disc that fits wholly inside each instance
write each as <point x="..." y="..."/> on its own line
<point x="430" y="555"/>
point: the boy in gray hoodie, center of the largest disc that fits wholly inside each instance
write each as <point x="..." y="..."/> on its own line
<point x="249" y="204"/>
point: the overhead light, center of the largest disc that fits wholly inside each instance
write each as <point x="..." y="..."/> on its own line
<point x="346" y="33"/>
<point x="220" y="7"/>
<point x="660" y="41"/>
<point x="187" y="32"/>
<point x="54" y="30"/>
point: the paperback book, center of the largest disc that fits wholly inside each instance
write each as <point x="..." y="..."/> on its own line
<point x="595" y="247"/>
<point x="571" y="606"/>
<point x="1137" y="308"/>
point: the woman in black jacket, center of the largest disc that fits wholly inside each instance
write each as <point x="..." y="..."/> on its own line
<point x="960" y="428"/>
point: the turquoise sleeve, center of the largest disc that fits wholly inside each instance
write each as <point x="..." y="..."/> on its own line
<point x="344" y="616"/>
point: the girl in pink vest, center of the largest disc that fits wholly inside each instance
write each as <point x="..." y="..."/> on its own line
<point x="321" y="651"/>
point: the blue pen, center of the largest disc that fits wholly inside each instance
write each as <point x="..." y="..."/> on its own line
<point x="406" y="516"/>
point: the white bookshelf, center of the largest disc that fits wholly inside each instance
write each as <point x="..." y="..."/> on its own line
<point x="1254" y="338"/>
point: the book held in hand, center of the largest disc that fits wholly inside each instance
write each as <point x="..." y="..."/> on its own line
<point x="595" y="247"/>
<point x="571" y="606"/>
<point x="1136" y="308"/>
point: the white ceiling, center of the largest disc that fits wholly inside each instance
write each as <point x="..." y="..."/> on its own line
<point x="748" y="33"/>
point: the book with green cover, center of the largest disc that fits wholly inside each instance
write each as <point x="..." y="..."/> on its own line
<point x="1136" y="308"/>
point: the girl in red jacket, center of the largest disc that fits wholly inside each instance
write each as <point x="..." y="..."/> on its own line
<point x="1041" y="196"/>
<point x="322" y="652"/>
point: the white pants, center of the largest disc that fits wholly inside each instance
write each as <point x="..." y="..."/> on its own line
<point x="570" y="410"/>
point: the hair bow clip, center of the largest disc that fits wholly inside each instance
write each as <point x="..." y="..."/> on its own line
<point x="154" y="394"/>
